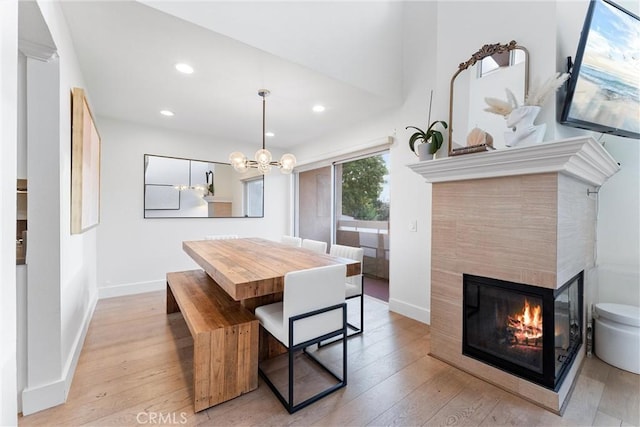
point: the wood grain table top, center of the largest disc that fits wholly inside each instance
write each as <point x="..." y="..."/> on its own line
<point x="254" y="267"/>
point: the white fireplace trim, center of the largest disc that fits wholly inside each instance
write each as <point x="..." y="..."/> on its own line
<point x="580" y="157"/>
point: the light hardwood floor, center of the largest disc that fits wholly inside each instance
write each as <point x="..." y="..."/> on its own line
<point x="135" y="369"/>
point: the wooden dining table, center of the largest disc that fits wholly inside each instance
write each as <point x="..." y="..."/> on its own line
<point x="252" y="270"/>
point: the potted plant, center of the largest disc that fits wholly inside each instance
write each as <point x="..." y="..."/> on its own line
<point x="429" y="141"/>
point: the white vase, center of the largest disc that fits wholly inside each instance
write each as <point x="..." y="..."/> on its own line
<point x="423" y="152"/>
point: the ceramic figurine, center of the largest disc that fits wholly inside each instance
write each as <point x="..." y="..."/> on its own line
<point x="520" y="118"/>
<point x="523" y="131"/>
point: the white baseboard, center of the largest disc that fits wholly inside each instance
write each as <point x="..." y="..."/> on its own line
<point x="131" y="289"/>
<point x="72" y="362"/>
<point x="45" y="396"/>
<point x="410" y="310"/>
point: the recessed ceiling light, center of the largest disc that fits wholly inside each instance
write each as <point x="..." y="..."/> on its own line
<point x="318" y="108"/>
<point x="167" y="113"/>
<point x="269" y="134"/>
<point x="184" y="68"/>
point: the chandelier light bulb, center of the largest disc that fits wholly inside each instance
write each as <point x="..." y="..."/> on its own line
<point x="287" y="162"/>
<point x="263" y="157"/>
<point x="237" y="158"/>
<point x="264" y="168"/>
<point x="238" y="161"/>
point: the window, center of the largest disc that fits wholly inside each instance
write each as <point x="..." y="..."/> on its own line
<point x="253" y="190"/>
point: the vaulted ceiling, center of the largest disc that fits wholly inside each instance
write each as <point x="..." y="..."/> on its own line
<point x="343" y="55"/>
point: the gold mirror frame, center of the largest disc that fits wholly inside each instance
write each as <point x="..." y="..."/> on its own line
<point x="483" y="52"/>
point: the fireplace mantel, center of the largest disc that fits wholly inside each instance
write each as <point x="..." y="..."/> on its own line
<point x="582" y="158"/>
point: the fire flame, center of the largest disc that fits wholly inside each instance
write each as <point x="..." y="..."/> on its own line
<point x="527" y="325"/>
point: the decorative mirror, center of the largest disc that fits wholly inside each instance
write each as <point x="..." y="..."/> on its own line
<point x="187" y="188"/>
<point x="487" y="74"/>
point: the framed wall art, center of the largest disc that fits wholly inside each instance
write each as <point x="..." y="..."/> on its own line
<point x="85" y="165"/>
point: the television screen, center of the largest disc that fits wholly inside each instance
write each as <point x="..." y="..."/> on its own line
<point x="603" y="93"/>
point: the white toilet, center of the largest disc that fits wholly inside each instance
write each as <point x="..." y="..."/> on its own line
<point x="617" y="335"/>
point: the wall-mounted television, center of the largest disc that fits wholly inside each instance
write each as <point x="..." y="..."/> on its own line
<point x="603" y="92"/>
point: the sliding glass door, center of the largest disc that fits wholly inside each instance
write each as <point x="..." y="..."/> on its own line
<point x="348" y="203"/>
<point x="362" y="210"/>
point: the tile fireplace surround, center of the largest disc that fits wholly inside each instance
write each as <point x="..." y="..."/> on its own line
<point x="521" y="215"/>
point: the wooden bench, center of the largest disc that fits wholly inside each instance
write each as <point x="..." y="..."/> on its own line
<point x="225" y="337"/>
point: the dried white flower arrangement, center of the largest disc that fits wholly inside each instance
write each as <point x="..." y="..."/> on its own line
<point x="498" y="106"/>
<point x="536" y="97"/>
<point x="538" y="94"/>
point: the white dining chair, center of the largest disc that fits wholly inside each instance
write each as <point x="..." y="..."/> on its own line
<point x="313" y="309"/>
<point x="315" y="245"/>
<point x="220" y="236"/>
<point x="354" y="285"/>
<point x="291" y="241"/>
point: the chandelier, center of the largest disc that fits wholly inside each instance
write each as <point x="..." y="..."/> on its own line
<point x="263" y="157"/>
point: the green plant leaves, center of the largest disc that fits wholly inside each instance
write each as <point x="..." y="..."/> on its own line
<point x="436" y="143"/>
<point x="442" y="122"/>
<point x="420" y="135"/>
<point x="432" y="137"/>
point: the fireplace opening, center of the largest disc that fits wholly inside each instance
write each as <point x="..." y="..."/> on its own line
<point x="529" y="331"/>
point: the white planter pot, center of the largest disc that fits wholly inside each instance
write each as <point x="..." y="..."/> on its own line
<point x="423" y="152"/>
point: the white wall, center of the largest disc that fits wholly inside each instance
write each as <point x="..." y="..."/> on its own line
<point x="8" y="136"/>
<point x="430" y="59"/>
<point x="618" y="257"/>
<point x="618" y="233"/>
<point x="61" y="267"/>
<point x="21" y="270"/>
<point x="487" y="22"/>
<point x="134" y="253"/>
<point x="22" y="112"/>
<point x="409" y="195"/>
<point x="437" y="38"/>
<point x="44" y="356"/>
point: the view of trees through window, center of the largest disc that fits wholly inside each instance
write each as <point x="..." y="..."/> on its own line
<point x="364" y="182"/>
<point x="362" y="211"/>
